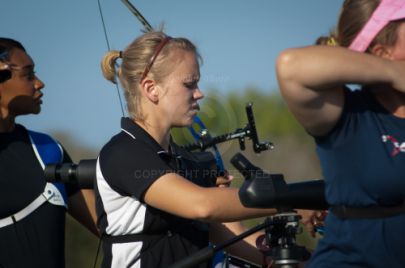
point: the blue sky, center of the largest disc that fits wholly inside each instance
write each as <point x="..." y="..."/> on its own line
<point x="239" y="41"/>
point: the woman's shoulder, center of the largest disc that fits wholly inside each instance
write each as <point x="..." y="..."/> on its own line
<point x="123" y="146"/>
<point x="120" y="144"/>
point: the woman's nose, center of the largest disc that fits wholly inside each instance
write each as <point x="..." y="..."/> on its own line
<point x="39" y="84"/>
<point x="198" y="94"/>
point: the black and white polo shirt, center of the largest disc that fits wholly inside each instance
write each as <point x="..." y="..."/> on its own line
<point x="135" y="234"/>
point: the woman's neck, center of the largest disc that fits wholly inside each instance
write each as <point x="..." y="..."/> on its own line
<point x="392" y="100"/>
<point x="7" y="124"/>
<point x="159" y="134"/>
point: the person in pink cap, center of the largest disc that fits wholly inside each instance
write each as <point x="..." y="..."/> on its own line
<point x="359" y="134"/>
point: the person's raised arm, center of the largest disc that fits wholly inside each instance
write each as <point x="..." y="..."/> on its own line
<point x="311" y="80"/>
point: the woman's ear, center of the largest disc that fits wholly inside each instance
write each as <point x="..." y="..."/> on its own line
<point x="149" y="90"/>
<point x="382" y="51"/>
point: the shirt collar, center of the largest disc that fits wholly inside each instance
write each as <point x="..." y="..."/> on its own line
<point x="137" y="132"/>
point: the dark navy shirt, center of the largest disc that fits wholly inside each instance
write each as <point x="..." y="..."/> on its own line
<point x="363" y="162"/>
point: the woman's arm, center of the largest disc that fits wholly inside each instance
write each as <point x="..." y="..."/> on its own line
<point x="82" y="207"/>
<point x="81" y="203"/>
<point x="245" y="249"/>
<point x="176" y="195"/>
<point x="311" y="81"/>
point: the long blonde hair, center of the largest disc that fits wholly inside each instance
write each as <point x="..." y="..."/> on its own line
<point x="135" y="58"/>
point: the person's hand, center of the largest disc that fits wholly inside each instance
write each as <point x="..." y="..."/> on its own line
<point x="225" y="180"/>
<point x="312" y="219"/>
<point x="307" y="217"/>
<point x="264" y="248"/>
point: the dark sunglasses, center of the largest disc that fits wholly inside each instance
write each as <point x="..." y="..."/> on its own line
<point x="6" y="73"/>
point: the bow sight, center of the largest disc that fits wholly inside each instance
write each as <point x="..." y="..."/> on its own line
<point x="249" y="131"/>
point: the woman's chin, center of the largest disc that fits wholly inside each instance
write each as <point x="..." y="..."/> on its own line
<point x="184" y="123"/>
<point x="36" y="109"/>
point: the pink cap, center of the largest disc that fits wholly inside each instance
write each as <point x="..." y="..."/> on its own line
<point x="387" y="10"/>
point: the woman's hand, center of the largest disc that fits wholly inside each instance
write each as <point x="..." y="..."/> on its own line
<point x="312" y="219"/>
<point x="225" y="180"/>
